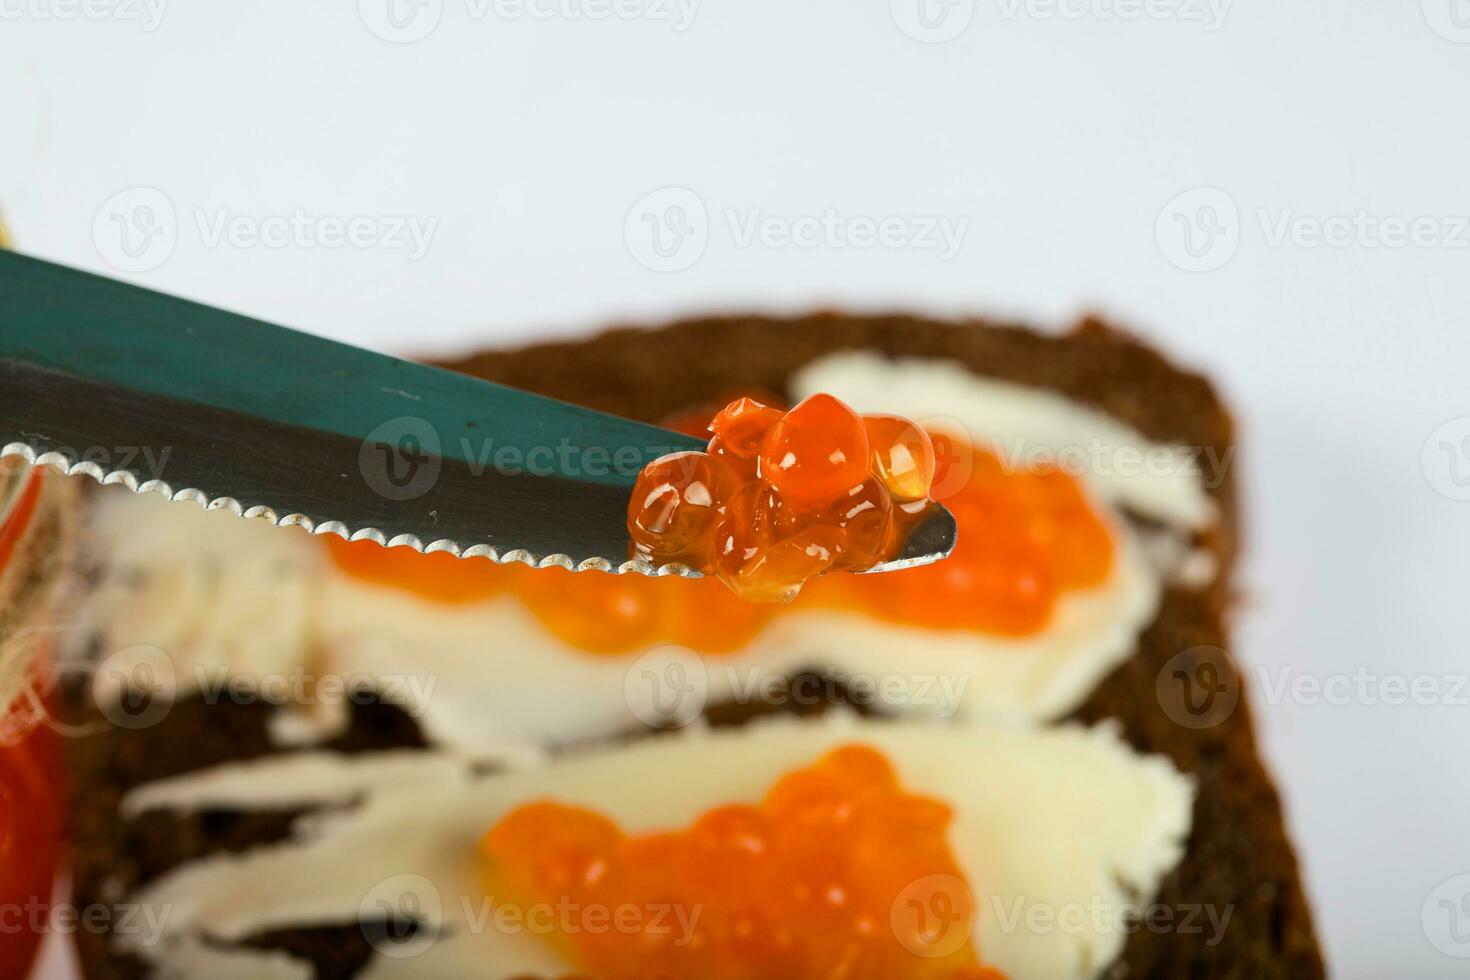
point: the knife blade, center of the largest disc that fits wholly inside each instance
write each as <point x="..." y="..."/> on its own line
<point x="165" y="395"/>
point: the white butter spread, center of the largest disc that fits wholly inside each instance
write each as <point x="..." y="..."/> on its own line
<point x="1059" y="833"/>
<point x="1016" y="421"/>
<point x="221" y="596"/>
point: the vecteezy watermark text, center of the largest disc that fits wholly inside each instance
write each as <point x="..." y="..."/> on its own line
<point x="144" y="462"/>
<point x="1363" y="686"/>
<point x="407" y="21"/>
<point x="569" y="918"/>
<point x="1098" y="458"/>
<point x="1201" y="687"/>
<point x="137" y="687"/>
<point x="831" y="229"/>
<point x="403" y="915"/>
<point x="1208" y="13"/>
<point x="299" y="228"/>
<point x="669" y="687"/>
<point x="403" y="458"/>
<point x="1201" y="229"/>
<point x="299" y="687"/>
<point x="668" y="230"/>
<point x="138" y="229"/>
<point x="1363" y="229"/>
<point x="1102" y="916"/>
<point x="147" y="14"/>
<point x="144" y="925"/>
<point x="938" y="21"/>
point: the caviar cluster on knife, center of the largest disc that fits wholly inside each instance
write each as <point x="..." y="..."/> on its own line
<point x="778" y="498"/>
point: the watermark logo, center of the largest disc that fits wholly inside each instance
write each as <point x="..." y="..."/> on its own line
<point x="136" y="230"/>
<point x="1198" y="688"/>
<point x="1199" y="230"/>
<point x="667" y="230"/>
<point x="300" y="688"/>
<point x="954" y="453"/>
<point x="1099" y="915"/>
<point x="1363" y="687"/>
<point x="144" y="462"/>
<point x="933" y="916"/>
<point x="1208" y="13"/>
<point x="1208" y="464"/>
<point x="1445" y="917"/>
<point x="407" y="233"/>
<point x="1362" y="229"/>
<point x="403" y="458"/>
<point x="400" y="459"/>
<point x="401" y="21"/>
<point x="400" y="916"/>
<point x="667" y="687"/>
<point x="136" y="687"/>
<point x="940" y="695"/>
<point x="407" y="21"/>
<point x="142" y="925"/>
<point x="1446" y="459"/>
<point x="932" y="21"/>
<point x="831" y="229"/>
<point x="1450" y="19"/>
<point x="148" y="14"/>
<point x="679" y="14"/>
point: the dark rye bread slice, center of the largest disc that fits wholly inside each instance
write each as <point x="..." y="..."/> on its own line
<point x="1239" y="861"/>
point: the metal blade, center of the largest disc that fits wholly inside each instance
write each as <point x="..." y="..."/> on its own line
<point x="162" y="394"/>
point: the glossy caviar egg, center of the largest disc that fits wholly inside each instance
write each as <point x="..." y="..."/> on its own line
<point x="903" y="455"/>
<point x="774" y="572"/>
<point x="865" y="515"/>
<point x="676" y="504"/>
<point x="762" y="554"/>
<point x="816" y="453"/>
<point x="742" y="425"/>
<point x="803" y="497"/>
<point x="802" y="885"/>
<point x="738" y="430"/>
<point x="696" y="420"/>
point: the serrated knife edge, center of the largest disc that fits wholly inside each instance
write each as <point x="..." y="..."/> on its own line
<point x="61" y="463"/>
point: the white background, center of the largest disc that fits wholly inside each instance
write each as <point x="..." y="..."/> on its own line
<point x="1062" y="139"/>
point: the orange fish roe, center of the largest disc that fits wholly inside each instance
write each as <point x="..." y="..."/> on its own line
<point x="439" y="576"/>
<point x="837" y="873"/>
<point x="780" y="498"/>
<point x="594" y="612"/>
<point x="1027" y="537"/>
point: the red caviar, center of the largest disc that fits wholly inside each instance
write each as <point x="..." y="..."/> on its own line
<point x="816" y="882"/>
<point x="594" y="612"/>
<point x="1027" y="538"/>
<point x="780" y="498"/>
<point x="439" y="576"/>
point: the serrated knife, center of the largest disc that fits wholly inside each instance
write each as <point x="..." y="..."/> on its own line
<point x="165" y="395"/>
